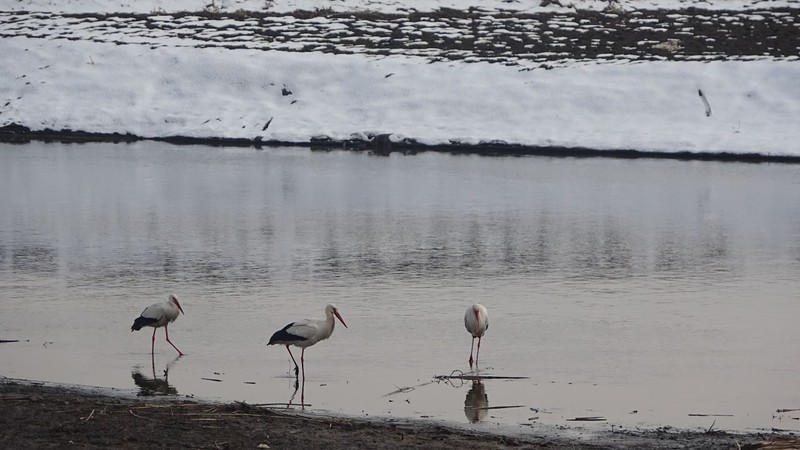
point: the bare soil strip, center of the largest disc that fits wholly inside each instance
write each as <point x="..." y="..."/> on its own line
<point x="37" y="416"/>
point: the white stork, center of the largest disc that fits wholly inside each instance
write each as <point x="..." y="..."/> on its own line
<point x="305" y="333"/>
<point x="476" y="320"/>
<point x="159" y="315"/>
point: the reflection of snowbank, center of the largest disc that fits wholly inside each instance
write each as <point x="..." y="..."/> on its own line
<point x="223" y="93"/>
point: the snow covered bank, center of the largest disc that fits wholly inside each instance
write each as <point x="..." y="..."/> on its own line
<point x="169" y="91"/>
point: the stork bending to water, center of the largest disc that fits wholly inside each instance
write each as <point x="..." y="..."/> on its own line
<point x="476" y="320"/>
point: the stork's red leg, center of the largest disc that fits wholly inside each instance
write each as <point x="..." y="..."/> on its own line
<point x="471" y="348"/>
<point x="153" y="343"/>
<point x="296" y="369"/>
<point x="166" y="331"/>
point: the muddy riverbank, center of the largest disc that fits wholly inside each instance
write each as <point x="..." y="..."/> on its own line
<point x="37" y="415"/>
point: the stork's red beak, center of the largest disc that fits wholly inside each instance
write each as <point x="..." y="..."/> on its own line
<point x="340" y="318"/>
<point x="179" y="306"/>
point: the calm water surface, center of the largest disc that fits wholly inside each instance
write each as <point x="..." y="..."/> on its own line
<point x="641" y="291"/>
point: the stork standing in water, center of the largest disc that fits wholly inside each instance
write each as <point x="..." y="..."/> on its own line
<point x="159" y="315"/>
<point x="305" y="333"/>
<point x="477" y="322"/>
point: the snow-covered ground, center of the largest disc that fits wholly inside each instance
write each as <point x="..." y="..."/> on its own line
<point x="176" y="90"/>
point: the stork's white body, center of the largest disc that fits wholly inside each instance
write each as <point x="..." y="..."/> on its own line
<point x="305" y="333"/>
<point x="476" y="320"/>
<point x="310" y="330"/>
<point x="159" y="315"/>
<point x="163" y="313"/>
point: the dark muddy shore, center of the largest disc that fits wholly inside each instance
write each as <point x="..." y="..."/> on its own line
<point x="37" y="416"/>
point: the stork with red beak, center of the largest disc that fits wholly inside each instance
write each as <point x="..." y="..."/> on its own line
<point x="159" y="315"/>
<point x="305" y="333"/>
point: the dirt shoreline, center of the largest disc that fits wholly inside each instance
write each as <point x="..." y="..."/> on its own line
<point x="39" y="415"/>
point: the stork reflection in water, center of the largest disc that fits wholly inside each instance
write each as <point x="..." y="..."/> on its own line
<point x="301" y="385"/>
<point x="155" y="385"/>
<point x="477" y="402"/>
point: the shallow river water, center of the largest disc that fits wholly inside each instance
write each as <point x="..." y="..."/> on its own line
<point x="643" y="292"/>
